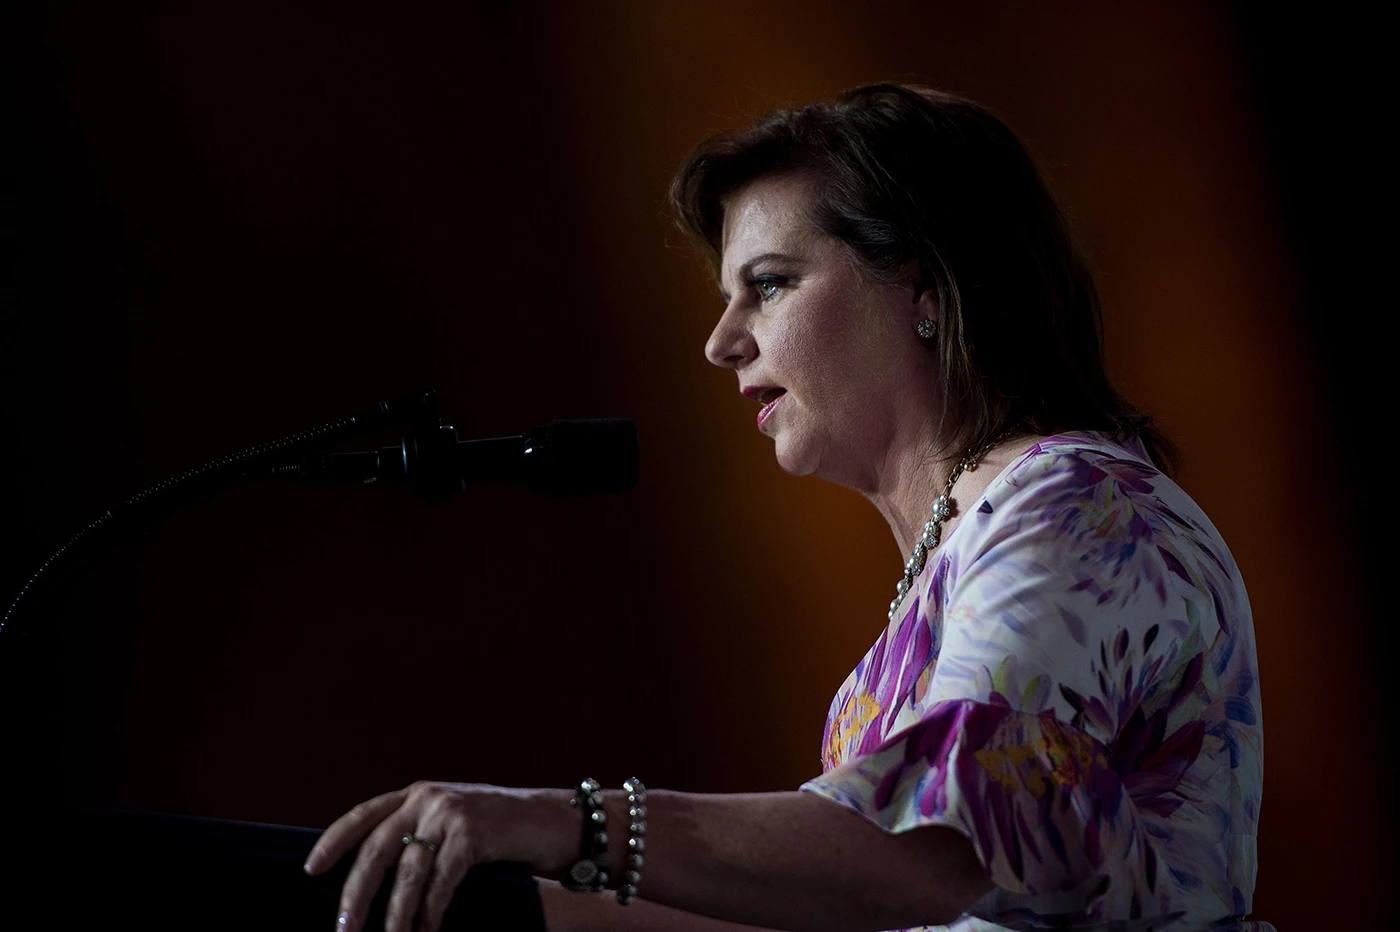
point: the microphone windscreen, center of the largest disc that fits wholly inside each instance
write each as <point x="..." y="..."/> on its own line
<point x="585" y="457"/>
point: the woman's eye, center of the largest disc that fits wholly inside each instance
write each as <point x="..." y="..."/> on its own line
<point x="767" y="288"/>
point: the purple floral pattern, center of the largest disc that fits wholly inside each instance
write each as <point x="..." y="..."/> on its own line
<point x="1072" y="685"/>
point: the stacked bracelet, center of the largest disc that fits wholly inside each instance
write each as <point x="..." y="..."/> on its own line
<point x="590" y="872"/>
<point x="636" y="839"/>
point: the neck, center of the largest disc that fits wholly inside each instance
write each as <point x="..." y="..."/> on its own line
<point x="909" y="479"/>
<point x="914" y="478"/>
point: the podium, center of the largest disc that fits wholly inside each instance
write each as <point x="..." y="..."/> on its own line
<point x="166" y="872"/>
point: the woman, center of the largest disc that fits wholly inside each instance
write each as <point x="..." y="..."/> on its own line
<point x="1060" y="725"/>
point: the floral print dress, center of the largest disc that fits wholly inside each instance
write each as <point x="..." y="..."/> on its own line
<point x="1071" y="684"/>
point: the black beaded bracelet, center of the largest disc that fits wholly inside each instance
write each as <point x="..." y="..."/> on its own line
<point x="589" y="874"/>
<point x="636" y="839"/>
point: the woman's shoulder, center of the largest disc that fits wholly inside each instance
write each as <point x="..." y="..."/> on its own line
<point x="1087" y="567"/>
<point x="1078" y="454"/>
<point x="1082" y="527"/>
<point x="1095" y="486"/>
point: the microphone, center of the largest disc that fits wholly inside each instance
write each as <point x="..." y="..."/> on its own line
<point x="586" y="457"/>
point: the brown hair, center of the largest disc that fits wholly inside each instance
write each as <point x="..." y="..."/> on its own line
<point x="911" y="174"/>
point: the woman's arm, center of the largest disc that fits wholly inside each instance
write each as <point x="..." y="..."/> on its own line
<point x="567" y="911"/>
<point x="792" y="861"/>
<point x="799" y="861"/>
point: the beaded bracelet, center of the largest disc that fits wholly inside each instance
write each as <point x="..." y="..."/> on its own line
<point x="636" y="839"/>
<point x="590" y="872"/>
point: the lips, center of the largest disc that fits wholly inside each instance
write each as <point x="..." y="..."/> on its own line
<point x="775" y="400"/>
<point x="763" y="394"/>
<point x="767" y="395"/>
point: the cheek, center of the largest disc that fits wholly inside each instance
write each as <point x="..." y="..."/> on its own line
<point x="838" y="380"/>
<point x="853" y="361"/>
<point x="814" y="366"/>
<point x="821" y="338"/>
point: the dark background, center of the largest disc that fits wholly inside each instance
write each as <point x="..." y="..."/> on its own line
<point x="228" y="222"/>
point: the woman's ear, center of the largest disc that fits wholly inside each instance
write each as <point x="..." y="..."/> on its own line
<point x="925" y="306"/>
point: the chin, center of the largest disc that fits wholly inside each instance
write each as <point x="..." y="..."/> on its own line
<point x="794" y="457"/>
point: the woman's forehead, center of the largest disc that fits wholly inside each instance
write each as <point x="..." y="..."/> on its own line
<point x="766" y="215"/>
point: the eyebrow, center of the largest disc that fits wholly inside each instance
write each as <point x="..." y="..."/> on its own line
<point x="747" y="268"/>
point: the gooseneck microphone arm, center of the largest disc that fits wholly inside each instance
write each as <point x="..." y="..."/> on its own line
<point x="158" y="501"/>
<point x="560" y="458"/>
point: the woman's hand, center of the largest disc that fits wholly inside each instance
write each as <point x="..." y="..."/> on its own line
<point x="431" y="834"/>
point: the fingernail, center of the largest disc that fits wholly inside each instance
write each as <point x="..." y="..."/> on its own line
<point x="342" y="922"/>
<point x="307" y="867"/>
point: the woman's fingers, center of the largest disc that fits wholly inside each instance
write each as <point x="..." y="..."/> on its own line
<point x="422" y="833"/>
<point x="415" y="870"/>
<point x="377" y="855"/>
<point x="350" y="829"/>
<point x="449" y="868"/>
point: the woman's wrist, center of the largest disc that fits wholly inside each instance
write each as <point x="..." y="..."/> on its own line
<point x="610" y="840"/>
<point x="534" y="826"/>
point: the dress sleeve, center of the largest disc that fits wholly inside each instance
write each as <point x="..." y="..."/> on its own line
<point x="1052" y="724"/>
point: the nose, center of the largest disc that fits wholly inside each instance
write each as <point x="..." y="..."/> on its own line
<point x="732" y="343"/>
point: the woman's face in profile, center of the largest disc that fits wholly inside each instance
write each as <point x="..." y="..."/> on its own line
<point x="829" y="353"/>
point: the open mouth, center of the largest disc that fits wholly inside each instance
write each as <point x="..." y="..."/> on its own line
<point x="769" y="398"/>
<point x="769" y="395"/>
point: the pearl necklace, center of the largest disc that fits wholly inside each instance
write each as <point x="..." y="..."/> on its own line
<point x="933" y="530"/>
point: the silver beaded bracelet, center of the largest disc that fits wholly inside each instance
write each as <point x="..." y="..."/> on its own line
<point x="590" y="872"/>
<point x="636" y="839"/>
